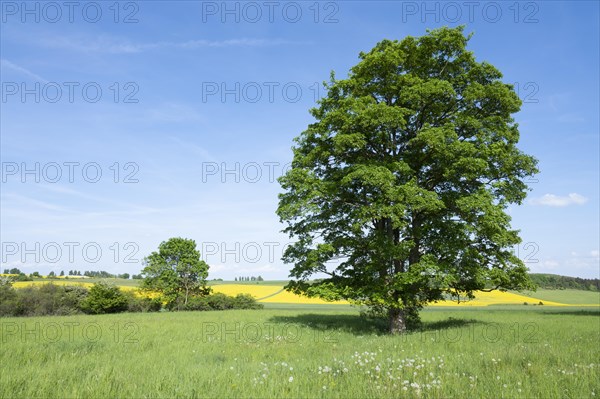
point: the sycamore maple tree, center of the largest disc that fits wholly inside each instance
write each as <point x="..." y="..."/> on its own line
<point x="405" y="178"/>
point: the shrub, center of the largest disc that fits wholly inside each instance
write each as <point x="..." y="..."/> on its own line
<point x="71" y="299"/>
<point x="23" y="277"/>
<point x="142" y="304"/>
<point x="50" y="299"/>
<point x="43" y="300"/>
<point x="9" y="301"/>
<point x="219" y="301"/>
<point x="246" y="301"/>
<point x="104" y="298"/>
<point x="198" y="303"/>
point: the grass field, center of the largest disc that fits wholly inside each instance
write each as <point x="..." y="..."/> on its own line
<point x="573" y="297"/>
<point x="506" y="352"/>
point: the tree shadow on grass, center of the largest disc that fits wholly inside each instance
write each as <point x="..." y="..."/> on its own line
<point x="450" y="322"/>
<point x="341" y="322"/>
<point x="360" y="325"/>
<point x="581" y="312"/>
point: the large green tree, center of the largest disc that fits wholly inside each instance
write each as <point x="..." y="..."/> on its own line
<point x="175" y="271"/>
<point x="405" y="178"/>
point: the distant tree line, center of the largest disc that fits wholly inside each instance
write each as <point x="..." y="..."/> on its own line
<point x="87" y="273"/>
<point x="249" y="278"/>
<point x="556" y="282"/>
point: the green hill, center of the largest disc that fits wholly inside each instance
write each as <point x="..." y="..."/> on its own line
<point x="556" y="282"/>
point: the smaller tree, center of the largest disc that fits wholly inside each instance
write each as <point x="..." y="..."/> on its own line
<point x="104" y="298"/>
<point x="51" y="274"/>
<point x="176" y="272"/>
<point x="62" y="272"/>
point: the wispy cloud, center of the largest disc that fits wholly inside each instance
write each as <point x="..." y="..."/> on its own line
<point x="106" y="44"/>
<point x="197" y="150"/>
<point x="173" y="112"/>
<point x="559" y="201"/>
<point x="24" y="71"/>
<point x="571" y="117"/>
<point x="128" y="208"/>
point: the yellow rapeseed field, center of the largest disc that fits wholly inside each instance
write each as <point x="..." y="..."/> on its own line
<point x="276" y="294"/>
<point x="257" y="291"/>
<point x="22" y="284"/>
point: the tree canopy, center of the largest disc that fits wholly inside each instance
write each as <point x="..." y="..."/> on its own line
<point x="175" y="271"/>
<point x="405" y="178"/>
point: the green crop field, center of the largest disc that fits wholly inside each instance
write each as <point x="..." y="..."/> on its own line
<point x="496" y="352"/>
<point x="572" y="297"/>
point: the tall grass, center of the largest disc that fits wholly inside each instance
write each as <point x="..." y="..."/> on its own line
<point x="508" y="352"/>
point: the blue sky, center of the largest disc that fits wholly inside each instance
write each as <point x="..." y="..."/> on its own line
<point x="124" y="126"/>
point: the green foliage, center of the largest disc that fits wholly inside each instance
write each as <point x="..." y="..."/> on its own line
<point x="246" y="301"/>
<point x="176" y="271"/>
<point x="104" y="298"/>
<point x="554" y="281"/>
<point x="43" y="300"/>
<point x="142" y="304"/>
<point x="9" y="300"/>
<point x="23" y="277"/>
<point x="220" y="301"/>
<point x="198" y="303"/>
<point x="405" y="178"/>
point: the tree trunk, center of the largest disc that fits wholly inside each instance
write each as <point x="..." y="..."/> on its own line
<point x="397" y="321"/>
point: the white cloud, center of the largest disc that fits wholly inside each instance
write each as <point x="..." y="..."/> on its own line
<point x="571" y="118"/>
<point x="550" y="264"/>
<point x="106" y="44"/>
<point x="557" y="200"/>
<point x="17" y="68"/>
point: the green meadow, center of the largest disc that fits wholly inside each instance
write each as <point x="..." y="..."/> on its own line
<point x="571" y="297"/>
<point x="304" y="351"/>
